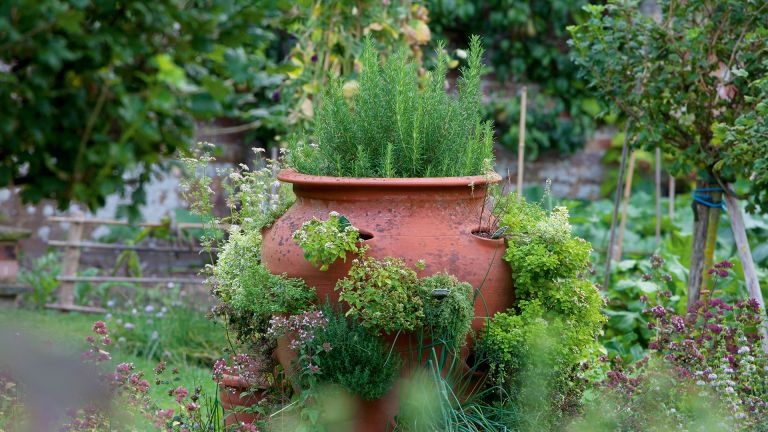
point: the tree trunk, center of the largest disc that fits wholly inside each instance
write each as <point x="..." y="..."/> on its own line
<point x="745" y="256"/>
<point x="696" y="272"/>
<point x="709" y="250"/>
<point x="657" y="180"/>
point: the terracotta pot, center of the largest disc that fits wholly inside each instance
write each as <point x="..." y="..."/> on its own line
<point x="410" y="218"/>
<point x="231" y="387"/>
<point x="376" y="415"/>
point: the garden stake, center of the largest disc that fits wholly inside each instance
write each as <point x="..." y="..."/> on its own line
<point x="625" y="206"/>
<point x="747" y="263"/>
<point x="71" y="262"/>
<point x="671" y="197"/>
<point x="617" y="199"/>
<point x="521" y="141"/>
<point x="657" y="179"/>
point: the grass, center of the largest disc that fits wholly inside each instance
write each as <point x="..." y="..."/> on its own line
<point x="67" y="331"/>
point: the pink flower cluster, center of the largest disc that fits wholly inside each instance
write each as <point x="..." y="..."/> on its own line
<point x="300" y="328"/>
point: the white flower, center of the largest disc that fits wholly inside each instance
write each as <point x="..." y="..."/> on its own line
<point x="743" y="350"/>
<point x="712" y="376"/>
<point x="154" y="335"/>
<point x="700" y="382"/>
<point x="460" y="53"/>
<point x="333" y="214"/>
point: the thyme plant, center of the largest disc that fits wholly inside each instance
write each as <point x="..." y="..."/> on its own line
<point x="447" y="308"/>
<point x="390" y="127"/>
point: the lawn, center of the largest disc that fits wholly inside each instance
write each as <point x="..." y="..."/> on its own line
<point x="68" y="331"/>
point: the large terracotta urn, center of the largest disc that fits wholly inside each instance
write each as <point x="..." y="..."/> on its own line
<point x="430" y="219"/>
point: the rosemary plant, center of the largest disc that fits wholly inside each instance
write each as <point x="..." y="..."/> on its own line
<point x="391" y="127"/>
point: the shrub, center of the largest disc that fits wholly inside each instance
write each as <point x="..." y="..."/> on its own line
<point x="694" y="70"/>
<point x="350" y="356"/>
<point x="448" y="310"/>
<point x="391" y="128"/>
<point x="107" y="90"/>
<point x="383" y="294"/>
<point x="326" y="241"/>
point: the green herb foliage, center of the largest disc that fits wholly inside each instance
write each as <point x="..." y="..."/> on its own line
<point x="383" y="294"/>
<point x="326" y="241"/>
<point x="350" y="356"/>
<point x="449" y="317"/>
<point x="246" y="285"/>
<point x="392" y="128"/>
<point x="542" y="248"/>
<point x="535" y="349"/>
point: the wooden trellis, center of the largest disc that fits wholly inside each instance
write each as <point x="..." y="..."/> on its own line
<point x="74" y="244"/>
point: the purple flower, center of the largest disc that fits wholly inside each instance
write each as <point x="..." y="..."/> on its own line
<point x="99" y="327"/>
<point x="218" y="368"/>
<point x="724" y="264"/>
<point x="313" y="58"/>
<point x="124" y="367"/>
<point x="659" y="311"/>
<point x="313" y="368"/>
<point x="714" y="328"/>
<point x="677" y="323"/>
<point x="276" y="96"/>
<point x="753" y="304"/>
<point x="180" y="393"/>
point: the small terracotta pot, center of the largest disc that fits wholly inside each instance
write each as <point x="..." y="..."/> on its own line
<point x="231" y="387"/>
<point x="411" y="218"/>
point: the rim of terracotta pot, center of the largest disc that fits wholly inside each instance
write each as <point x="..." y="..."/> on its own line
<point x="289" y="175"/>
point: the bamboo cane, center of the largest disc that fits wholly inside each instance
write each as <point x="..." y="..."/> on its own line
<point x="521" y="141"/>
<point x="616" y="201"/>
<point x="625" y="206"/>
